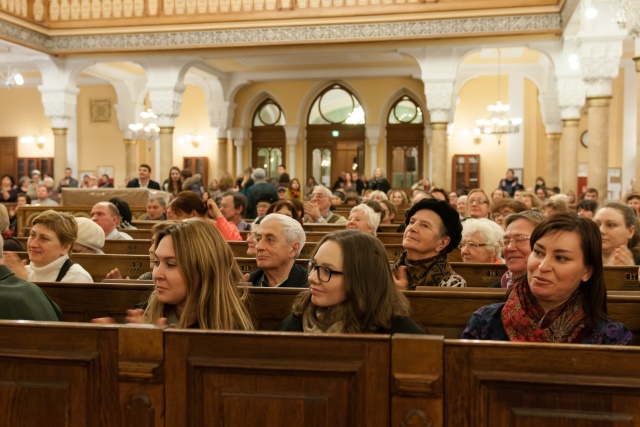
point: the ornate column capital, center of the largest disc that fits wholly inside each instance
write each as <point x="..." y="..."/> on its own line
<point x="221" y="115"/>
<point x="291" y="134"/>
<point x="166" y="101"/>
<point x="599" y="62"/>
<point x="237" y="134"/>
<point x="373" y="134"/>
<point x="59" y="104"/>
<point x="439" y="100"/>
<point x="551" y="115"/>
<point x="571" y="96"/>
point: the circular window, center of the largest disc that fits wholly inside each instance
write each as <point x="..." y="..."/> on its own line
<point x="405" y="111"/>
<point x="269" y="114"/>
<point x="336" y="105"/>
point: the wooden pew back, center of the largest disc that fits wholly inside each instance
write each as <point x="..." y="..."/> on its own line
<point x="507" y="384"/>
<point x="266" y="379"/>
<point x="71" y="374"/>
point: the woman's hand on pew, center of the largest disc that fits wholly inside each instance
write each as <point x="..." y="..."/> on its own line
<point x="400" y="278"/>
<point x="115" y="274"/>
<point x="107" y="320"/>
<point x="137" y="316"/>
<point x="16" y="265"/>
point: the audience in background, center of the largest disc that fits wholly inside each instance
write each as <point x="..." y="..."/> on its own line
<point x="232" y="206"/>
<point x="107" y="216"/>
<point x="156" y="209"/>
<point x="363" y="218"/>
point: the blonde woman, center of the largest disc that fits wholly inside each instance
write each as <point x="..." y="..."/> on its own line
<point x="196" y="281"/>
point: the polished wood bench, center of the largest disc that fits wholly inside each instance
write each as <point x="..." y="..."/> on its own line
<point x="26" y="214"/>
<point x="442" y="311"/>
<point x="80" y="374"/>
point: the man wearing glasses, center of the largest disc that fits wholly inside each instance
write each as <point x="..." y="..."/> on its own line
<point x="516" y="247"/>
<point x="279" y="241"/>
<point x="318" y="209"/>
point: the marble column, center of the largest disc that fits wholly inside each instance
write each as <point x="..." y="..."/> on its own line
<point x="637" y="174"/>
<point x="131" y="163"/>
<point x="439" y="153"/>
<point x="598" y="108"/>
<point x="553" y="157"/>
<point x="166" y="150"/>
<point x="222" y="159"/>
<point x="60" y="152"/>
<point x="569" y="147"/>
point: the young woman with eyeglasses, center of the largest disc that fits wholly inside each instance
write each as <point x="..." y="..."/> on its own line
<point x="351" y="290"/>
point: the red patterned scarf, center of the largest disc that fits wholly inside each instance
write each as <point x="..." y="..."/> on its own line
<point x="524" y="320"/>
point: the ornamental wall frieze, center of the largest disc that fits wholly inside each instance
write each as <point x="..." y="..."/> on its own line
<point x="426" y="29"/>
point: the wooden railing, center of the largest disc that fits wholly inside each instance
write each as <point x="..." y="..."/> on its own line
<point x="114" y="13"/>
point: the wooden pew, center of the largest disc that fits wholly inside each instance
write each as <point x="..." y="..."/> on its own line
<point x="386" y="228"/>
<point x="123" y="247"/>
<point x="525" y="384"/>
<point x="441" y="311"/>
<point x="272" y="380"/>
<point x="26" y="214"/>
<point x="99" y="265"/>
<point x="81" y="302"/>
<point x="70" y="374"/>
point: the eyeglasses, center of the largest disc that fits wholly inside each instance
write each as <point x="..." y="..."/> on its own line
<point x="324" y="273"/>
<point x="471" y="246"/>
<point x="517" y="241"/>
<point x="499" y="214"/>
<point x="318" y="196"/>
<point x="477" y="202"/>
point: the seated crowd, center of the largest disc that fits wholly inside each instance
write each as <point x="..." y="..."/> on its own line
<point x="554" y="257"/>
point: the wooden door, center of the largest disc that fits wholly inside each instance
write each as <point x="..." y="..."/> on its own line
<point x="9" y="156"/>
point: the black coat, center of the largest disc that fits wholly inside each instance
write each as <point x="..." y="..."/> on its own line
<point x="134" y="183"/>
<point x="298" y="278"/>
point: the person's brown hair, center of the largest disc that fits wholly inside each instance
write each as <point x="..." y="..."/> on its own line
<point x="372" y="298"/>
<point x="212" y="276"/>
<point x="61" y="223"/>
<point x="187" y="202"/>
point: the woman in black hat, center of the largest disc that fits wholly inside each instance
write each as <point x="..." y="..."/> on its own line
<point x="433" y="230"/>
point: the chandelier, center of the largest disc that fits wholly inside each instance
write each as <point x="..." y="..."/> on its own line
<point x="12" y="78"/>
<point x="498" y="123"/>
<point x="147" y="128"/>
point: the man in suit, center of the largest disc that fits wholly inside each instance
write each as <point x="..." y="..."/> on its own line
<point x="143" y="180"/>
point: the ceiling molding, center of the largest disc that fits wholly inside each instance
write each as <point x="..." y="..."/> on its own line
<point x="371" y="32"/>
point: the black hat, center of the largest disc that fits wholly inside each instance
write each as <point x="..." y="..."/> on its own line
<point x="449" y="216"/>
<point x="267" y="197"/>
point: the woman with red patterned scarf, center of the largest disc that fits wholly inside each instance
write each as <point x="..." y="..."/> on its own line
<point x="562" y="298"/>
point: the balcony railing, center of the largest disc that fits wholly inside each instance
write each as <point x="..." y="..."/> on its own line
<point x="63" y="14"/>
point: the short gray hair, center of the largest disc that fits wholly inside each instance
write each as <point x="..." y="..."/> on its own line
<point x="158" y="199"/>
<point x="373" y="219"/>
<point x="291" y="229"/>
<point x="490" y="232"/>
<point x="378" y="193"/>
<point x="325" y="190"/>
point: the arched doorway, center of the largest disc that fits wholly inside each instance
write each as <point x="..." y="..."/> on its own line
<point x="405" y="143"/>
<point x="335" y="135"/>
<point x="268" y="138"/>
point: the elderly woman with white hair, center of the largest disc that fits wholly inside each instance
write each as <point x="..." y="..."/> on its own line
<point x="363" y="218"/>
<point x="378" y="196"/>
<point x="481" y="239"/>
